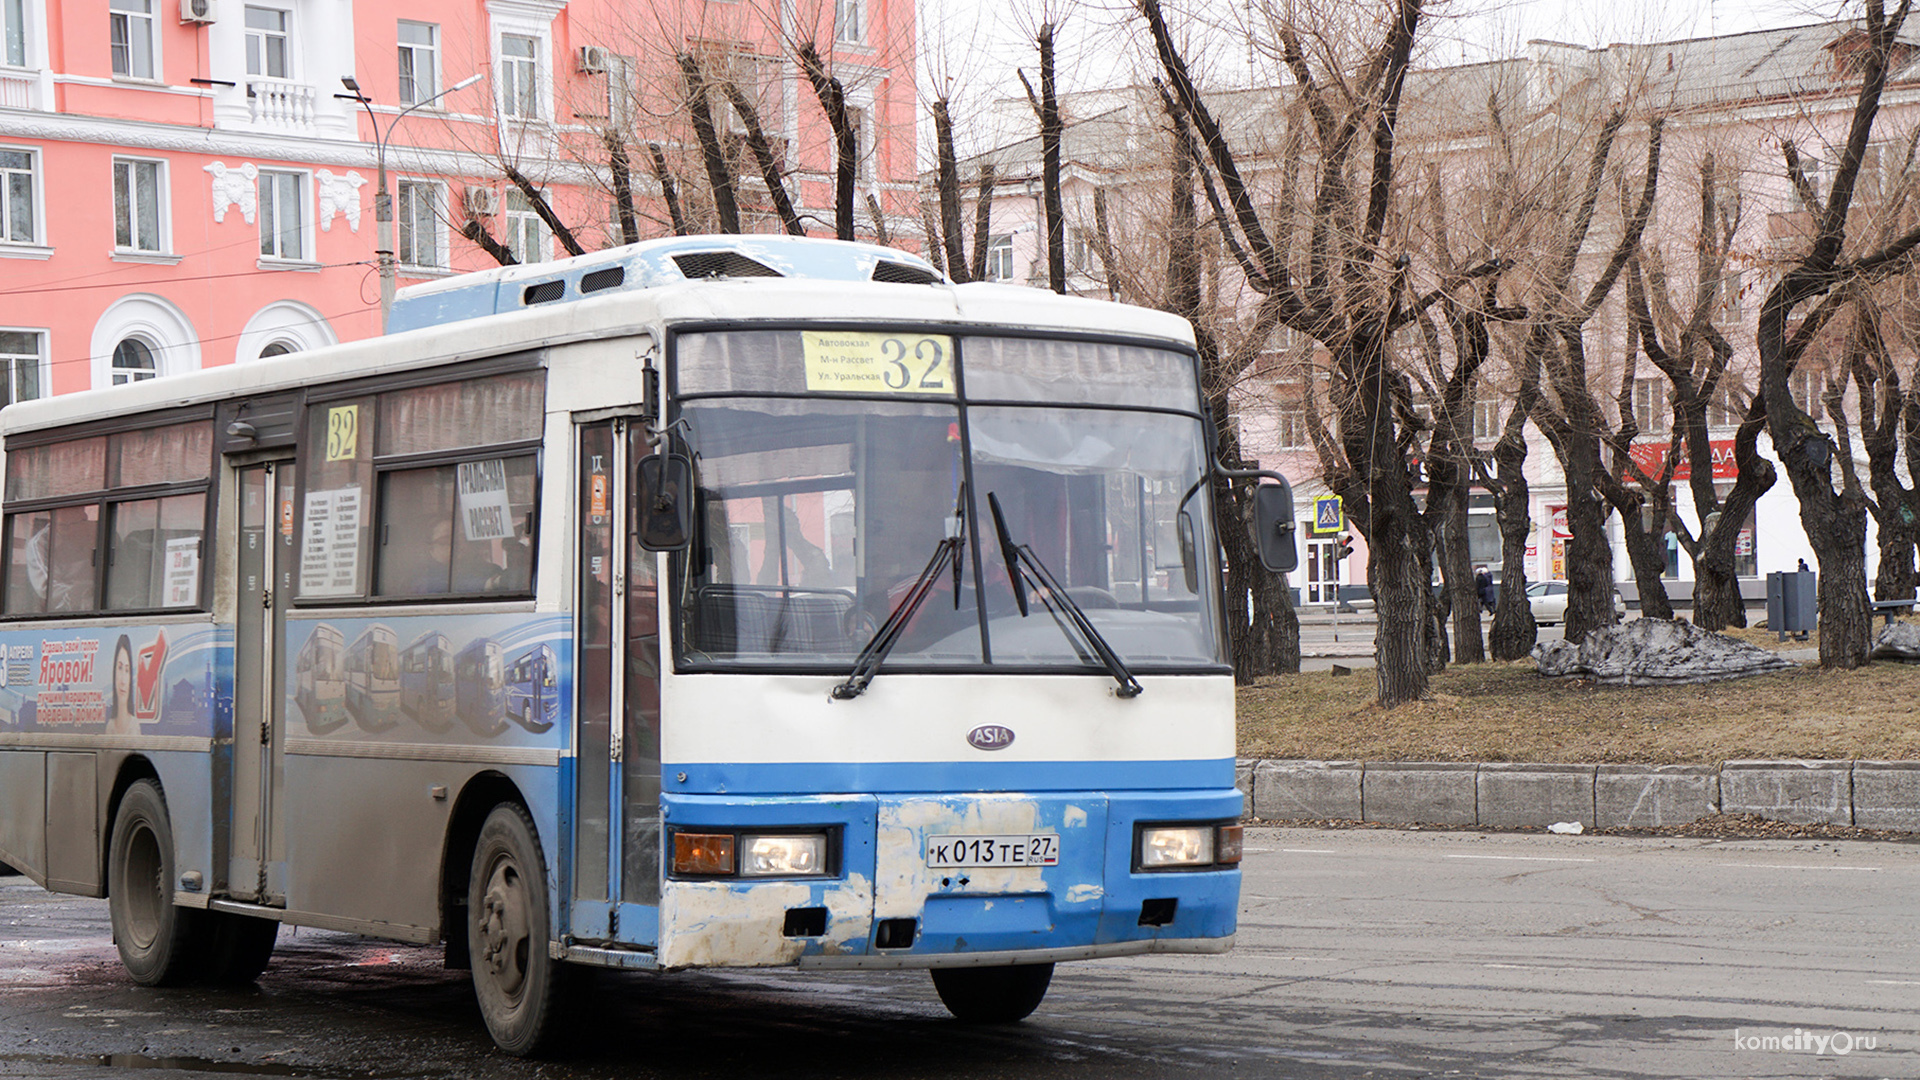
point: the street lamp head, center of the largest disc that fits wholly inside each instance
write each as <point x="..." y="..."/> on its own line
<point x="347" y="81"/>
<point x="464" y="83"/>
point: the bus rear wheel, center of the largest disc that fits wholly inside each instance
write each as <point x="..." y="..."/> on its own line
<point x="992" y="995"/>
<point x="514" y="977"/>
<point x="159" y="942"/>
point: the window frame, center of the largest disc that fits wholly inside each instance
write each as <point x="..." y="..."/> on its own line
<point x="999" y="248"/>
<point x="409" y="86"/>
<point x="518" y="220"/>
<point x="316" y="405"/>
<point x="14" y="30"/>
<point x="36" y="212"/>
<point x="146" y="23"/>
<point x="10" y="364"/>
<point x="290" y="56"/>
<point x="405" y="223"/>
<point x="107" y="499"/>
<point x="519" y="77"/>
<point x="160" y="197"/>
<point x="850" y="22"/>
<point x="113" y="362"/>
<point x="302" y="186"/>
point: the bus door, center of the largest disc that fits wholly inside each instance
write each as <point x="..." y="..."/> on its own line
<point x="616" y="864"/>
<point x="257" y="868"/>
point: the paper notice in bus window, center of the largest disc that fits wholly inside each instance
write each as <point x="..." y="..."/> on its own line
<point x="878" y="363"/>
<point x="484" y="510"/>
<point x="330" y="551"/>
<point x="182" y="582"/>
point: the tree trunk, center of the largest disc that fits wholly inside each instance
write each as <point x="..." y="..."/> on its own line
<point x="1050" y="135"/>
<point x="947" y="186"/>
<point x="1456" y="569"/>
<point x="1514" y="629"/>
<point x="669" y="190"/>
<point x="982" y="222"/>
<point x="1589" y="552"/>
<point x="719" y="174"/>
<point x="1648" y="559"/>
<point x="622" y="169"/>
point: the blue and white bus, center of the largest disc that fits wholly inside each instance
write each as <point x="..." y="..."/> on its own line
<point x="871" y="622"/>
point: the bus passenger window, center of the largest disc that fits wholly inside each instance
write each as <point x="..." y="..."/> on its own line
<point x="70" y="558"/>
<point x="458" y="530"/>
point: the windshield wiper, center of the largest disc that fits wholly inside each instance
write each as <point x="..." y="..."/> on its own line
<point x="951" y="550"/>
<point x="1022" y="562"/>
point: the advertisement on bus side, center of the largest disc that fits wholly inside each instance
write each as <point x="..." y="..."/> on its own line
<point x="501" y="680"/>
<point x="146" y="680"/>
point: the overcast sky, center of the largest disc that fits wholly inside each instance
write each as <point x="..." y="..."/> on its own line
<point x="978" y="46"/>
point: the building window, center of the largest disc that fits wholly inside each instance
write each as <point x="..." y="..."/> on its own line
<point x="13" y="25"/>
<point x="526" y="233"/>
<point x="130" y="31"/>
<point x="1486" y="418"/>
<point x="1806" y="387"/>
<point x="419" y="211"/>
<point x="267" y="34"/>
<point x="133" y="362"/>
<point x="860" y="121"/>
<point x="1000" y="258"/>
<point x="520" y="76"/>
<point x="278" y="348"/>
<point x="419" y="62"/>
<point x="1725" y="410"/>
<point x="1292" y="429"/>
<point x="19" y="365"/>
<point x="137" y="202"/>
<point x="850" y="21"/>
<point x="17" y="208"/>
<point x="1650" y="412"/>
<point x="282" y="216"/>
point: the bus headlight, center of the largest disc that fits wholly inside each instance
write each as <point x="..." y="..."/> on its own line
<point x="1166" y="847"/>
<point x="1188" y="847"/>
<point x="788" y="855"/>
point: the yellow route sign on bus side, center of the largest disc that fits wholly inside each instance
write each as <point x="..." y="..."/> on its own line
<point x="878" y="363"/>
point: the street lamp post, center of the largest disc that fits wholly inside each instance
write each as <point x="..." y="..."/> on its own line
<point x="382" y="199"/>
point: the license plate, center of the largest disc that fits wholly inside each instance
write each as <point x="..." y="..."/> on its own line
<point x="954" y="852"/>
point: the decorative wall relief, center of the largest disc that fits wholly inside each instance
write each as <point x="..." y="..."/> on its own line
<point x="234" y="187"/>
<point x="339" y="195"/>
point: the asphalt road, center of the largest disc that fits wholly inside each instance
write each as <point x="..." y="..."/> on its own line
<point x="1361" y="953"/>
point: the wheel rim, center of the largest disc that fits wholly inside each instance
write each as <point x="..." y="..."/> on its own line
<point x="506" y="939"/>
<point x="145" y="887"/>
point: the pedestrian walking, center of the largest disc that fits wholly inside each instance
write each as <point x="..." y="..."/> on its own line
<point x="1483" y="585"/>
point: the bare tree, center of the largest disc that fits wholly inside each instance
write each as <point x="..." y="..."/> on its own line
<point x="1834" y="517"/>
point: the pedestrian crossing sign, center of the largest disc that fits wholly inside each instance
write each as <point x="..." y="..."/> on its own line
<point x="1328" y="516"/>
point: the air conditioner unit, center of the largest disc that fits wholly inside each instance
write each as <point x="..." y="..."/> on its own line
<point x="196" y="11"/>
<point x="480" y="201"/>
<point x="592" y="60"/>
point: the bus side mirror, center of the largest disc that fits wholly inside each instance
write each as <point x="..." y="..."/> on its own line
<point x="663" y="502"/>
<point x="1272" y="527"/>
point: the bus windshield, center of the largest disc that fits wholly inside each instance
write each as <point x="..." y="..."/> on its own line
<point x="818" y="511"/>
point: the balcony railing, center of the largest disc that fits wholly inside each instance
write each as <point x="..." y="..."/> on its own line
<point x="279" y="104"/>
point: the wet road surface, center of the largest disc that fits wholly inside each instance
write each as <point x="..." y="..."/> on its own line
<point x="1362" y="953"/>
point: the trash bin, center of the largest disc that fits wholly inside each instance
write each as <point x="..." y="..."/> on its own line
<point x="1793" y="605"/>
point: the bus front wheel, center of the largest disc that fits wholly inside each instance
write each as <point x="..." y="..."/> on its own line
<point x="514" y="977"/>
<point x="992" y="995"/>
<point x="159" y="942"/>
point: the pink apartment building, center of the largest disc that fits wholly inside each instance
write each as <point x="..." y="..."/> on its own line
<point x="186" y="183"/>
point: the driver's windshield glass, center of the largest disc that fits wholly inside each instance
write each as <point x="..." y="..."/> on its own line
<point x="817" y="511"/>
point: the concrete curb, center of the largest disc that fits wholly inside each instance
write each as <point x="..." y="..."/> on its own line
<point x="1869" y="794"/>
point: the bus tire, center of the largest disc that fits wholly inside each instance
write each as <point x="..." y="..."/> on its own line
<point x="514" y="977"/>
<point x="159" y="941"/>
<point x="992" y="995"/>
<point x="239" y="948"/>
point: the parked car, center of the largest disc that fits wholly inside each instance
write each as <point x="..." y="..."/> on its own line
<point x="1548" y="599"/>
